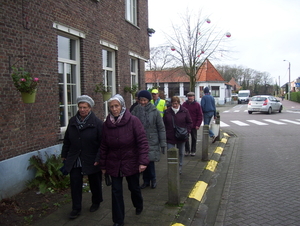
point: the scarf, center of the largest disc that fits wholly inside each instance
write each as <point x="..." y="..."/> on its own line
<point x="80" y="122"/>
<point x="120" y="99"/>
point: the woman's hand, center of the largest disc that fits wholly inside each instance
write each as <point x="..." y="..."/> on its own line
<point x="96" y="163"/>
<point x="103" y="172"/>
<point x="142" y="168"/>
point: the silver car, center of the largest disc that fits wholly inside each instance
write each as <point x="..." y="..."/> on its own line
<point x="264" y="103"/>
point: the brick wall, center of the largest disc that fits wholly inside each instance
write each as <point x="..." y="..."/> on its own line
<point x="29" y="40"/>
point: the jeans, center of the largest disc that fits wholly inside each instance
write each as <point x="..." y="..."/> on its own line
<point x="207" y="119"/>
<point x="149" y="173"/>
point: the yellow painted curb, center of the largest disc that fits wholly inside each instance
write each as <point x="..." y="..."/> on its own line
<point x="177" y="224"/>
<point x="212" y="164"/>
<point x="224" y="140"/>
<point x="219" y="150"/>
<point x="198" y="190"/>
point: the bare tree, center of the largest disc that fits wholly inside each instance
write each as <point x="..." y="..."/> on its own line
<point x="193" y="42"/>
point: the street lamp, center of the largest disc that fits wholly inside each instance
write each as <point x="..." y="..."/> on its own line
<point x="289" y="91"/>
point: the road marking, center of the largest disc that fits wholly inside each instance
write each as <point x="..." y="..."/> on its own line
<point x="275" y="122"/>
<point x="290" y="121"/>
<point x="222" y="124"/>
<point x="258" y="122"/>
<point x="236" y="111"/>
<point x="239" y="123"/>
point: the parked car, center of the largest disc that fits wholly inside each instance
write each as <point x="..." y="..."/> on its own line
<point x="264" y="103"/>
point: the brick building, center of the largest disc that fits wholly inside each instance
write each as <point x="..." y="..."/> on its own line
<point x="70" y="46"/>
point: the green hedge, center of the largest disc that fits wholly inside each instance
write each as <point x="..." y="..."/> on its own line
<point x="295" y="96"/>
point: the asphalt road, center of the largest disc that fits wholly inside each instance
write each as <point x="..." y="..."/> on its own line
<point x="257" y="181"/>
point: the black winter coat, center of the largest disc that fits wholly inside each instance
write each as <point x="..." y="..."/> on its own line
<point x="84" y="143"/>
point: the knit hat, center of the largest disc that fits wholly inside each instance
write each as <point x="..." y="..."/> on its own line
<point x="145" y="94"/>
<point x="85" y="99"/>
<point x="154" y="91"/>
<point x="206" y="90"/>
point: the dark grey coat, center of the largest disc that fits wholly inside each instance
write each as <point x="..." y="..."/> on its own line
<point x="84" y="143"/>
<point x="154" y="127"/>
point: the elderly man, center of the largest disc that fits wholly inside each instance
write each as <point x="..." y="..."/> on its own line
<point x="196" y="114"/>
<point x="209" y="110"/>
<point x="160" y="104"/>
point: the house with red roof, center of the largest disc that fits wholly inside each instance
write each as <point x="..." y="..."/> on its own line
<point x="175" y="82"/>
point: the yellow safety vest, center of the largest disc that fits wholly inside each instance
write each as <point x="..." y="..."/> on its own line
<point x="161" y="106"/>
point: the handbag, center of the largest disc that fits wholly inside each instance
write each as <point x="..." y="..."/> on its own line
<point x="181" y="133"/>
<point x="107" y="179"/>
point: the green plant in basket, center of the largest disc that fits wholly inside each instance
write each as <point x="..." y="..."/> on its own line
<point x="23" y="80"/>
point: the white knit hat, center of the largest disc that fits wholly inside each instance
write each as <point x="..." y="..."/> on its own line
<point x="86" y="99"/>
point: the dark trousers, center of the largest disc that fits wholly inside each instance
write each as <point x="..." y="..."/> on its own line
<point x="194" y="142"/>
<point x="149" y="173"/>
<point x="95" y="181"/>
<point x="118" y="208"/>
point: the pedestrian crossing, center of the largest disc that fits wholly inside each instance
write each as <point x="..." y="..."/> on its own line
<point x="245" y="110"/>
<point x="262" y="122"/>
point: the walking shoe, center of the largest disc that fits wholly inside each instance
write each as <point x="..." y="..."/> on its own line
<point x="153" y="183"/>
<point x="94" y="207"/>
<point x="144" y="185"/>
<point x="187" y="154"/>
<point x="74" y="214"/>
<point x="138" y="211"/>
<point x="193" y="154"/>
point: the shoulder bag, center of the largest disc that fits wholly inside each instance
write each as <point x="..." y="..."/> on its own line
<point x="181" y="133"/>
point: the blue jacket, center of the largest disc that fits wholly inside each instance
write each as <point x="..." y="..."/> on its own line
<point x="208" y="104"/>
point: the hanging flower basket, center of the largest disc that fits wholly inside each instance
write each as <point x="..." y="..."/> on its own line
<point x="25" y="84"/>
<point x="106" y="96"/>
<point x="28" y="98"/>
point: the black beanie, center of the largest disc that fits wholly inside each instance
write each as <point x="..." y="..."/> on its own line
<point x="145" y="94"/>
<point x="206" y="90"/>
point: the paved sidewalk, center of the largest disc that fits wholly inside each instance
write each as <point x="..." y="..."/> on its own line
<point x="156" y="210"/>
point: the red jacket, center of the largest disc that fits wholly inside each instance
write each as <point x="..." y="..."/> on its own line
<point x="195" y="111"/>
<point x="124" y="146"/>
<point x="182" y="119"/>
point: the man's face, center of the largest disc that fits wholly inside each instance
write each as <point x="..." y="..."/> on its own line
<point x="191" y="98"/>
<point x="155" y="96"/>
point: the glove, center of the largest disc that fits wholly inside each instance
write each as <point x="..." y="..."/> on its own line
<point x="162" y="150"/>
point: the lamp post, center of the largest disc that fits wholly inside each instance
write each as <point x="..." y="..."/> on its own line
<point x="289" y="91"/>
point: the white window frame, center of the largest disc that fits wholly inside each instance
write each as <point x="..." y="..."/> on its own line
<point x="67" y="113"/>
<point x="105" y="70"/>
<point x="131" y="11"/>
<point x="215" y="91"/>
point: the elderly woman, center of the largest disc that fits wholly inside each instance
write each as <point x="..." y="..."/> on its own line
<point x="156" y="134"/>
<point x="81" y="145"/>
<point x="181" y="117"/>
<point x="123" y="153"/>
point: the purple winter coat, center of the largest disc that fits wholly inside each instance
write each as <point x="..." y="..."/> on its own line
<point x="124" y="146"/>
<point x="182" y="119"/>
<point x="195" y="111"/>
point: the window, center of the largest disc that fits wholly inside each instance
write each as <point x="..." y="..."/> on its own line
<point x="109" y="80"/>
<point x="134" y="71"/>
<point x="131" y="11"/>
<point x="215" y="92"/>
<point x="69" y="80"/>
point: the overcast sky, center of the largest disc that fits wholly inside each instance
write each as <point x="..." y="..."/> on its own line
<point x="264" y="32"/>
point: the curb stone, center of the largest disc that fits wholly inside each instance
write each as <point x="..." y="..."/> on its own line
<point x="187" y="212"/>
